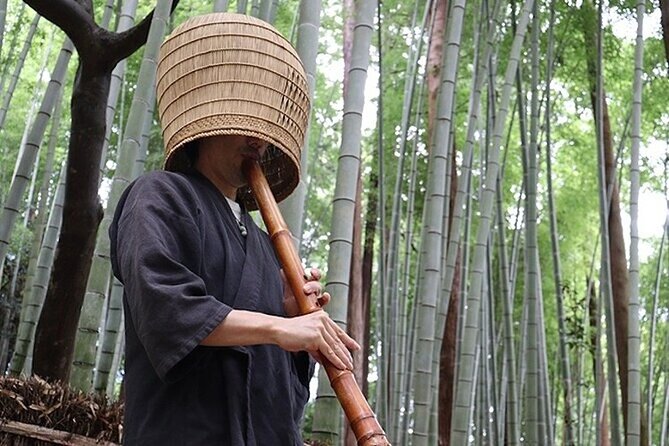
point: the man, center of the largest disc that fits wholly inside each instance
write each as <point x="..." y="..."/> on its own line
<point x="211" y="356"/>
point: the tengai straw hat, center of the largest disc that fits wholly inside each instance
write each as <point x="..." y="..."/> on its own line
<point x="232" y="74"/>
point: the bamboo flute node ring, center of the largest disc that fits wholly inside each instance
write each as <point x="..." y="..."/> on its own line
<point x="364" y="424"/>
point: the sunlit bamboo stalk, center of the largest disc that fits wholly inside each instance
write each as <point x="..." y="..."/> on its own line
<point x="534" y="420"/>
<point x="34" y="300"/>
<point x="633" y="433"/>
<point x="409" y="317"/>
<point x="327" y="411"/>
<point x="308" y="29"/>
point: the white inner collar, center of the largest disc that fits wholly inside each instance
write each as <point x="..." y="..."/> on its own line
<point x="236" y="208"/>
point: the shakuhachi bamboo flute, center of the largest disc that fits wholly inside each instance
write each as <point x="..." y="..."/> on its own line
<point x="364" y="424"/>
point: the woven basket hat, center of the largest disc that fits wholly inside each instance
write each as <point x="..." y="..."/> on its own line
<point x="232" y="74"/>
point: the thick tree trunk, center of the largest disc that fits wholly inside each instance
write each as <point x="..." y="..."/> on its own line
<point x="82" y="213"/>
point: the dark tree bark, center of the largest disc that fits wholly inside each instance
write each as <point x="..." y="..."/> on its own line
<point x="450" y="337"/>
<point x="664" y="20"/>
<point x="447" y="361"/>
<point x="99" y="51"/>
<point x="54" y="338"/>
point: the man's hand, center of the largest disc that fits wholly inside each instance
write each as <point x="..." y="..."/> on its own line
<point x="319" y="335"/>
<point x="312" y="288"/>
<point x="315" y="332"/>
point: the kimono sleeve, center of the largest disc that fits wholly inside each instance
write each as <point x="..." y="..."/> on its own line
<point x="156" y="252"/>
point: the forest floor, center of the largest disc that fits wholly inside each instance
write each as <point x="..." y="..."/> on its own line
<point x="36" y="412"/>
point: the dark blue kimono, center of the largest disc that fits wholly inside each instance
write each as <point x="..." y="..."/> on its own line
<point x="177" y="249"/>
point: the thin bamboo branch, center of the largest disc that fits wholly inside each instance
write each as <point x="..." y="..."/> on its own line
<point x="326" y="419"/>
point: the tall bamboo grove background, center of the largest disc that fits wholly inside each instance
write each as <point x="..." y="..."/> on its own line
<point x="485" y="188"/>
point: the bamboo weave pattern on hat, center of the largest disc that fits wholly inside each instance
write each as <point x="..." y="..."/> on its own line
<point x="232" y="74"/>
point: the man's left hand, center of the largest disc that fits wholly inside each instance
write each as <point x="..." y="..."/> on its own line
<point x="312" y="289"/>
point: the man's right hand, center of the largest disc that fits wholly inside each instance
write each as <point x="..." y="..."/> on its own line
<point x="319" y="335"/>
<point x="314" y="332"/>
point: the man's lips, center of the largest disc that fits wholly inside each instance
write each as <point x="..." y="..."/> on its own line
<point x="251" y="153"/>
<point x="252" y="156"/>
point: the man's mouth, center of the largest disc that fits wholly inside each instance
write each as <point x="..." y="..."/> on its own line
<point x="251" y="153"/>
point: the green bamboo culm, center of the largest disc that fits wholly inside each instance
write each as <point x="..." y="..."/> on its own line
<point x="327" y="411"/>
<point x="21" y="363"/>
<point x="292" y="208"/>
<point x="433" y="228"/>
<point x="633" y="434"/>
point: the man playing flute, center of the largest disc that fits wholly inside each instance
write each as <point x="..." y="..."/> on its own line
<point x="213" y="356"/>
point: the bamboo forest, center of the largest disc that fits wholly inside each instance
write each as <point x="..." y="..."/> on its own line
<point x="484" y="185"/>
